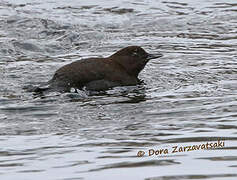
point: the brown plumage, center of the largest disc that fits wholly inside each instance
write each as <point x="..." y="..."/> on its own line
<point x="119" y="69"/>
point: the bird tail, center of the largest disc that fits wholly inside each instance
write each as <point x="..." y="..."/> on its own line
<point x="37" y="89"/>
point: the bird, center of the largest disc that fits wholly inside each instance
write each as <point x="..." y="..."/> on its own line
<point x="98" y="74"/>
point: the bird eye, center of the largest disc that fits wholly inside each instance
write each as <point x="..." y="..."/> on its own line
<point x="134" y="54"/>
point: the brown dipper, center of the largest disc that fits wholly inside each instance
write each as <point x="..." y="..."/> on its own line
<point x="119" y="69"/>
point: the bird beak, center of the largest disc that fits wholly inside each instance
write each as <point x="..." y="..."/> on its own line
<point x="154" y="56"/>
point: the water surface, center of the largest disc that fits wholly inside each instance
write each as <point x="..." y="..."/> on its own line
<point x="188" y="96"/>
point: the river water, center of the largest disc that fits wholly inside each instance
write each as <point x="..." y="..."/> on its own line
<point x="189" y="96"/>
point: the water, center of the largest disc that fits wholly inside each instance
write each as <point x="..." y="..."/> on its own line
<point x="188" y="97"/>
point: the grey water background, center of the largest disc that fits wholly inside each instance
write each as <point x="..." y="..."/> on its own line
<point x="189" y="96"/>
